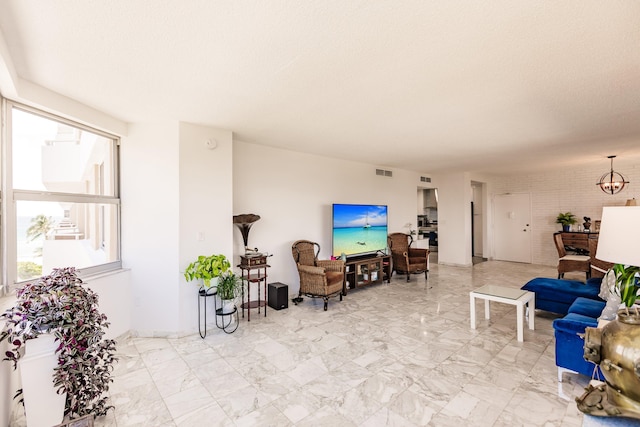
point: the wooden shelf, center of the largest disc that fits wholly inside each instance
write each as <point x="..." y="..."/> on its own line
<point x="368" y="270"/>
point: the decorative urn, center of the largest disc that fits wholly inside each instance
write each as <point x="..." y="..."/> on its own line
<point x="616" y="348"/>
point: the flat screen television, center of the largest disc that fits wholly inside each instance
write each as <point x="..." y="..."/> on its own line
<point x="359" y="229"/>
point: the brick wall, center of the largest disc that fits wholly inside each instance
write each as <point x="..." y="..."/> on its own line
<point x="568" y="190"/>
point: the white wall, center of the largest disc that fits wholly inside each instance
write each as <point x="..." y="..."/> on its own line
<point x="174" y="190"/>
<point x="150" y="224"/>
<point x="572" y="190"/>
<point x="293" y="194"/>
<point x="205" y="200"/>
<point x="114" y="300"/>
<point x="454" y="219"/>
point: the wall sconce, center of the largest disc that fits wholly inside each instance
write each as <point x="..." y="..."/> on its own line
<point x="612" y="182"/>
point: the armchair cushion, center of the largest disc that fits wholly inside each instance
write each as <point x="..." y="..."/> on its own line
<point x="334" y="280"/>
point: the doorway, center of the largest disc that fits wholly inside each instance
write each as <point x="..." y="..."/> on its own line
<point x="477" y="222"/>
<point x="512" y="227"/>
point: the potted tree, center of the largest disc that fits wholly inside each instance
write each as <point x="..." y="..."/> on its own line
<point x="59" y="308"/>
<point x="229" y="285"/>
<point x="207" y="269"/>
<point x="567" y="219"/>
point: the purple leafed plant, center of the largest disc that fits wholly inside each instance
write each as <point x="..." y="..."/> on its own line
<point x="59" y="304"/>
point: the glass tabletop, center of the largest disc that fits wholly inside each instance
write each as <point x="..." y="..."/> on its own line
<point x="500" y="291"/>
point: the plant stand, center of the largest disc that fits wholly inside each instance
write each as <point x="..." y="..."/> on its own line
<point x="202" y="300"/>
<point x="227" y="325"/>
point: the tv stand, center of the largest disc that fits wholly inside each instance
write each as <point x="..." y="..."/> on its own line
<point x="366" y="270"/>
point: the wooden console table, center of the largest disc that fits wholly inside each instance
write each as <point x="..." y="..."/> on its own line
<point x="578" y="241"/>
<point x="367" y="270"/>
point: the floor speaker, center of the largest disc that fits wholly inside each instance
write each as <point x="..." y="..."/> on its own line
<point x="278" y="296"/>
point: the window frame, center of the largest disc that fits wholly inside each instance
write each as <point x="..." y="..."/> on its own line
<point x="10" y="196"/>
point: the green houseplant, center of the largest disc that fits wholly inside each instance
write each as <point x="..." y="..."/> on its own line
<point x="229" y="285"/>
<point x="627" y="285"/>
<point x="59" y="304"/>
<point x="567" y="219"/>
<point x="206" y="268"/>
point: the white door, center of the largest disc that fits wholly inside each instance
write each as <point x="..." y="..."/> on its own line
<point x="512" y="227"/>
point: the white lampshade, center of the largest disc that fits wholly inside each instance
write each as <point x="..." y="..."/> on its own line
<point x="619" y="239"/>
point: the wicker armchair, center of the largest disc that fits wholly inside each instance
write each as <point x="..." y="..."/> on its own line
<point x="318" y="278"/>
<point x="407" y="260"/>
<point x="568" y="262"/>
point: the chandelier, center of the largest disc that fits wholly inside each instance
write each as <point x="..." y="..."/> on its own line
<point x="612" y="182"/>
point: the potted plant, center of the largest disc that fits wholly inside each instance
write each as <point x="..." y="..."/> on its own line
<point x="59" y="306"/>
<point x="627" y="286"/>
<point x="567" y="219"/>
<point x="229" y="286"/>
<point x="207" y="269"/>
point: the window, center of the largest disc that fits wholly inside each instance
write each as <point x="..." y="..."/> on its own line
<point x="60" y="201"/>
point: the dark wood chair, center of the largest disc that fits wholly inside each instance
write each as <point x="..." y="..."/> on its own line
<point x="318" y="278"/>
<point x="568" y="262"/>
<point x="405" y="259"/>
<point x="598" y="267"/>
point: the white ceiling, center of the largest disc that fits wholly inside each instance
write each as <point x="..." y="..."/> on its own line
<point x="487" y="86"/>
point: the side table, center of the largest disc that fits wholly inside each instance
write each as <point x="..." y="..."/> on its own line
<point x="505" y="295"/>
<point x="254" y="270"/>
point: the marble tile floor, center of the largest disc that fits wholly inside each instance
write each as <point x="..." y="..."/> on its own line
<point x="399" y="354"/>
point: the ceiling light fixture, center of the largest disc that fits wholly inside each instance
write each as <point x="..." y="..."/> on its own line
<point x="612" y="182"/>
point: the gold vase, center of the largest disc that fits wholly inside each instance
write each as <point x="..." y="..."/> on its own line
<point x="616" y="348"/>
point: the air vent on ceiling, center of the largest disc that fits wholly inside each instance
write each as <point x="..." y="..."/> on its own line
<point x="383" y="172"/>
<point x="425" y="179"/>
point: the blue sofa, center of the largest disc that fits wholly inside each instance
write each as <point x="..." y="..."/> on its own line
<point x="581" y="306"/>
<point x="569" y="332"/>
<point x="557" y="295"/>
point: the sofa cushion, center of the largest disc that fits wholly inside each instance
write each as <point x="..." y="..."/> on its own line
<point x="556" y="295"/>
<point x="574" y="323"/>
<point x="587" y="307"/>
<point x="564" y="290"/>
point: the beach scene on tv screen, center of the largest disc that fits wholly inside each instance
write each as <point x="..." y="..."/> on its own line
<point x="359" y="228"/>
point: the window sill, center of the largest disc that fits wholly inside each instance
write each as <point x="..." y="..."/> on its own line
<point x="102" y="274"/>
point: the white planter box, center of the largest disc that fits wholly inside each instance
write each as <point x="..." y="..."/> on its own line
<point x="43" y="406"/>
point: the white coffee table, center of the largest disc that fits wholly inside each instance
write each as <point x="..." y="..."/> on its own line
<point x="505" y="295"/>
